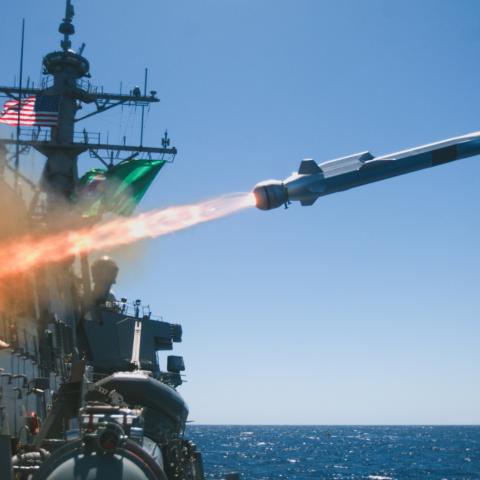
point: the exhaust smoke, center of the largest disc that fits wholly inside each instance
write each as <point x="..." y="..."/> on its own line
<point x="28" y="252"/>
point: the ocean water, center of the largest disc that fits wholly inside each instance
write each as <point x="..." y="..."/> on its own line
<point x="344" y="452"/>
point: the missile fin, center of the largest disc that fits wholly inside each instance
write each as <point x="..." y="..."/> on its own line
<point x="307" y="203"/>
<point x="309" y="167"/>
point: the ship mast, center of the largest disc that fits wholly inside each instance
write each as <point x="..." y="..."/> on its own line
<point x="68" y="70"/>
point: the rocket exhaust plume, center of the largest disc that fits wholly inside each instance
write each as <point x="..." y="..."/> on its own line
<point x="28" y="252"/>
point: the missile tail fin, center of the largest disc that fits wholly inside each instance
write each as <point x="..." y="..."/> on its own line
<point x="307" y="203"/>
<point x="309" y="167"/>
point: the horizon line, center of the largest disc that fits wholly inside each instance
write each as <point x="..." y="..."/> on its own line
<point x="333" y="424"/>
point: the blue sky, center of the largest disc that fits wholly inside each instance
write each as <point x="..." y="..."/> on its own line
<point x="363" y="308"/>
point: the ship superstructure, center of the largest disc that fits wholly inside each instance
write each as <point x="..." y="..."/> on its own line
<point x="81" y="385"/>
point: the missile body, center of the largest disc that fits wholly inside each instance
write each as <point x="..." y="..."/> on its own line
<point x="315" y="180"/>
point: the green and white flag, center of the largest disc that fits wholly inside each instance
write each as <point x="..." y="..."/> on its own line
<point x="118" y="189"/>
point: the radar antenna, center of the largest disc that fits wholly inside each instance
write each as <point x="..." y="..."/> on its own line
<point x="66" y="27"/>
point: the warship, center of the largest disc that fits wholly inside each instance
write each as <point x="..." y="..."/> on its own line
<point x="82" y="391"/>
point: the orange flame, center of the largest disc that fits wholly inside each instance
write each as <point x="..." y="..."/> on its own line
<point x="27" y="253"/>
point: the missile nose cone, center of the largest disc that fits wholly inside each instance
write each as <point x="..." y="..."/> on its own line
<point x="270" y="194"/>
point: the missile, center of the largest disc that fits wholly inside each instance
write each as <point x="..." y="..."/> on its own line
<point x="315" y="180"/>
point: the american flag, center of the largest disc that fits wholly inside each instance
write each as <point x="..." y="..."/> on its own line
<point x="36" y="110"/>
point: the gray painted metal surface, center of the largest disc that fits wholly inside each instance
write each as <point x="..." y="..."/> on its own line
<point x="6" y="471"/>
